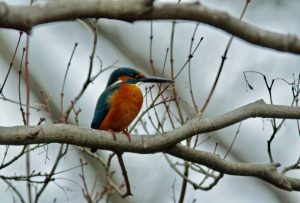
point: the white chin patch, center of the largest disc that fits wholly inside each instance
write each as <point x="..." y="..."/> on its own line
<point x="117" y="82"/>
<point x="139" y="83"/>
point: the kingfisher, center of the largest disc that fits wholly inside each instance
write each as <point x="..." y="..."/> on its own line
<point x="121" y="100"/>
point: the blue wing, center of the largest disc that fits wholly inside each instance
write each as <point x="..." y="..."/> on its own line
<point x="103" y="106"/>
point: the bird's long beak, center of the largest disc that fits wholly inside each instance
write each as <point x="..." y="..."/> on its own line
<point x="156" y="80"/>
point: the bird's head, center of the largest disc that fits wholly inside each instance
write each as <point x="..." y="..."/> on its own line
<point x="132" y="76"/>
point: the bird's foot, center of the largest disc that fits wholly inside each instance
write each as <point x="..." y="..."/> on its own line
<point x="126" y="133"/>
<point x="113" y="133"/>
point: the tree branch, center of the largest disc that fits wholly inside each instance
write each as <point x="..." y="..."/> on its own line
<point x="26" y="17"/>
<point x="267" y="172"/>
<point x="61" y="133"/>
<point x="167" y="142"/>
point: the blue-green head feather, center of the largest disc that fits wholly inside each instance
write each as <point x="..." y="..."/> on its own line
<point x="133" y="75"/>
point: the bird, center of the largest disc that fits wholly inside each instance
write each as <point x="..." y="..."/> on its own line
<point x="121" y="101"/>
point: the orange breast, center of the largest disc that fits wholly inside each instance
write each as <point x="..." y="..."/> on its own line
<point x="125" y="104"/>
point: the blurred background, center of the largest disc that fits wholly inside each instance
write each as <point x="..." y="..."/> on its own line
<point x="128" y="44"/>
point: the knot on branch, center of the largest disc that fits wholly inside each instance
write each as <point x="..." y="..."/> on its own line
<point x="33" y="134"/>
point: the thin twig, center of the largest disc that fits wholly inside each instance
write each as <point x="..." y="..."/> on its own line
<point x="19" y="89"/>
<point x="190" y="67"/>
<point x="224" y="57"/>
<point x="172" y="69"/>
<point x="60" y="155"/>
<point x="166" y="87"/>
<point x="4" y="98"/>
<point x="294" y="166"/>
<point x="275" y="126"/>
<point x="15" y="190"/>
<point x="151" y="61"/>
<point x="88" y="78"/>
<point x="235" y="136"/>
<point x="15" y="158"/>
<point x="27" y="77"/>
<point x="63" y="119"/>
<point x="12" y="62"/>
<point x="124" y="172"/>
<point x="85" y="190"/>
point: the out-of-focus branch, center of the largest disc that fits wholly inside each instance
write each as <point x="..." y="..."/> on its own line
<point x="15" y="190"/>
<point x="26" y="17"/>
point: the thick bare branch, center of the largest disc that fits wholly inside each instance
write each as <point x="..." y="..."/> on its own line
<point x="267" y="172"/>
<point x="61" y="133"/>
<point x="168" y="142"/>
<point x="26" y="17"/>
